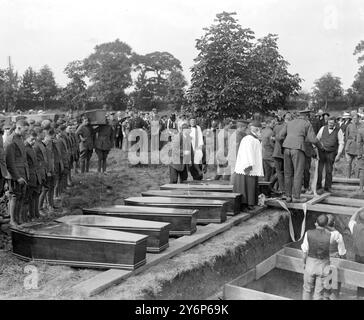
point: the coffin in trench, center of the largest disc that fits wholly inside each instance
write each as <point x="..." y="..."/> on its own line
<point x="183" y="221"/>
<point x="209" y="211"/>
<point x="157" y="232"/>
<point x="79" y="246"/>
<point x="233" y="199"/>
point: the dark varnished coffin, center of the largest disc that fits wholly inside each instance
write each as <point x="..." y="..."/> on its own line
<point x="209" y="211"/>
<point x="157" y="232"/>
<point x="198" y="187"/>
<point x="61" y="243"/>
<point x="233" y="199"/>
<point x="183" y="222"/>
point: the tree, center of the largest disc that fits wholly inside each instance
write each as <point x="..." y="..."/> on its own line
<point x="356" y="94"/>
<point x="153" y="70"/>
<point x="9" y="87"/>
<point x="75" y="93"/>
<point x="27" y="90"/>
<point x="109" y="71"/>
<point x="45" y="85"/>
<point x="327" y="88"/>
<point x="234" y="75"/>
<point x="176" y="84"/>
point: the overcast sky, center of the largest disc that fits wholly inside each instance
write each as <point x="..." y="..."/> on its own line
<point x="315" y="36"/>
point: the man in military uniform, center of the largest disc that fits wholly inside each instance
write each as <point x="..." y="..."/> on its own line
<point x="86" y="135"/>
<point x="63" y="145"/>
<point x="118" y="131"/>
<point x="17" y="166"/>
<point x="295" y="134"/>
<point x="103" y="144"/>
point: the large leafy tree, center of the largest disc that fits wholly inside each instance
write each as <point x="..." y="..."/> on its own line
<point x="75" y="92"/>
<point x="109" y="72"/>
<point x="153" y="71"/>
<point x="46" y="85"/>
<point x="234" y="74"/>
<point x="176" y="84"/>
<point x="327" y="88"/>
<point x="28" y="90"/>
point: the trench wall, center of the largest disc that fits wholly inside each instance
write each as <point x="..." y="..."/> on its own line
<point x="203" y="270"/>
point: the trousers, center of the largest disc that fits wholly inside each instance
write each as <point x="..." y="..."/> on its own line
<point x="327" y="160"/>
<point x="175" y="174"/>
<point x="314" y="277"/>
<point x="294" y="166"/>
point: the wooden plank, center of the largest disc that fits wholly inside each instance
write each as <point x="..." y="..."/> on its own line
<point x="344" y="187"/>
<point x="318" y="199"/>
<point x="232" y="292"/>
<point x="244" y="279"/>
<point x="346" y="180"/>
<point x="112" y="277"/>
<point x="358" y="203"/>
<point x="266" y="266"/>
<point x="324" y="208"/>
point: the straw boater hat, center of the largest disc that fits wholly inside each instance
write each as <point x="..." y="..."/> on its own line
<point x="304" y="111"/>
<point x="346" y="115"/>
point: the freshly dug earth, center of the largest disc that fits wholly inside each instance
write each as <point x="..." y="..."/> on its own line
<point x="203" y="270"/>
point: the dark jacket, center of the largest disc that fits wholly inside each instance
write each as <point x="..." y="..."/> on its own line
<point x="278" y="151"/>
<point x="86" y="132"/>
<point x="16" y="158"/>
<point x="267" y="143"/>
<point x="41" y="153"/>
<point x="104" y="137"/>
<point x="35" y="177"/>
<point x="296" y="133"/>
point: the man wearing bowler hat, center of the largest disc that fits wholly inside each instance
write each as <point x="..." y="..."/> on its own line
<point x="295" y="135"/>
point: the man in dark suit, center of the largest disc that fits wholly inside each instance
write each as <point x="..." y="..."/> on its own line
<point x="17" y="165"/>
<point x="295" y="134"/>
<point x="35" y="176"/>
<point x="41" y="153"/>
<point x="86" y="146"/>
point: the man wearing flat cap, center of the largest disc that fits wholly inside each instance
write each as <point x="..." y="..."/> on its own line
<point x="248" y="167"/>
<point x="295" y="135"/>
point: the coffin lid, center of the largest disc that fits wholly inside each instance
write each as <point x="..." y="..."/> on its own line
<point x="143" y="210"/>
<point x="112" y="222"/>
<point x="195" y="193"/>
<point x="185" y="186"/>
<point x="175" y="201"/>
<point x="66" y="231"/>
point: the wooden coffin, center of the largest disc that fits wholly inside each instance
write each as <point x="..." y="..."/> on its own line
<point x="198" y="187"/>
<point x="96" y="117"/>
<point x="183" y="222"/>
<point x="233" y="199"/>
<point x="157" y="232"/>
<point x="60" y="243"/>
<point x="209" y="211"/>
<point x="39" y="117"/>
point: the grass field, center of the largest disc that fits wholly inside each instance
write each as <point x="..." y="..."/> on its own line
<point x="92" y="189"/>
